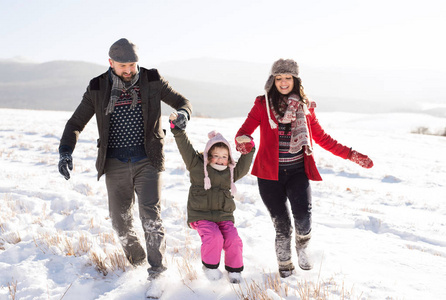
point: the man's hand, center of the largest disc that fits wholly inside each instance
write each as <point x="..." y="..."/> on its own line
<point x="178" y="119"/>
<point x="65" y="163"/>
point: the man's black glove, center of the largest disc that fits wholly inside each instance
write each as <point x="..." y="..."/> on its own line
<point x="181" y="119"/>
<point x="65" y="163"/>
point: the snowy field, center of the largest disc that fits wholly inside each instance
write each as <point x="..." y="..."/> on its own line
<point x="378" y="233"/>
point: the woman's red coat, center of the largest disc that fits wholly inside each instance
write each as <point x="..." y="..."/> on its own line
<point x="266" y="163"/>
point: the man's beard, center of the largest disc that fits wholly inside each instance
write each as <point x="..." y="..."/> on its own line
<point x="127" y="79"/>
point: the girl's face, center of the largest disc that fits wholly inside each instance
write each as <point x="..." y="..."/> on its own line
<point x="220" y="156"/>
<point x="284" y="83"/>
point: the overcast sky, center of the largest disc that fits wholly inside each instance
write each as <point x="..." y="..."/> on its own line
<point x="400" y="34"/>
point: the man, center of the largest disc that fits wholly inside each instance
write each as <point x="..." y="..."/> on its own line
<point x="127" y="103"/>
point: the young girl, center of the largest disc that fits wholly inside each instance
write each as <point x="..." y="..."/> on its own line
<point x="285" y="162"/>
<point x="210" y="204"/>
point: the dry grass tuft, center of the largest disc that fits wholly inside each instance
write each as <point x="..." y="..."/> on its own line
<point x="108" y="261"/>
<point x="107" y="237"/>
<point x="60" y="242"/>
<point x="187" y="271"/>
<point x="12" y="286"/>
<point x="11" y="238"/>
<point x="79" y="244"/>
<point x="117" y="259"/>
<point x="253" y="291"/>
<point x="305" y="290"/>
<point x="99" y="262"/>
<point x="187" y="259"/>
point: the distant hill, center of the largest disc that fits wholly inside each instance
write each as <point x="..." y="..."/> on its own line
<point x="57" y="85"/>
<point x="220" y="88"/>
<point x="334" y="89"/>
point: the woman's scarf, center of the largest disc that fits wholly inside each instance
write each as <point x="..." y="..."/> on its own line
<point x="300" y="136"/>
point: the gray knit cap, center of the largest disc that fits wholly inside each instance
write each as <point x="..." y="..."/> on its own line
<point x="282" y="66"/>
<point x="123" y="51"/>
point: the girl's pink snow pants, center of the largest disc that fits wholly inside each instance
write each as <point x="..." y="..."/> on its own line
<point x="218" y="236"/>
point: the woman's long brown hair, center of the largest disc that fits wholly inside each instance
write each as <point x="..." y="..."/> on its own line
<point x="274" y="94"/>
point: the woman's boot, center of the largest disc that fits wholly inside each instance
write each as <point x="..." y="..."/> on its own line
<point x="304" y="260"/>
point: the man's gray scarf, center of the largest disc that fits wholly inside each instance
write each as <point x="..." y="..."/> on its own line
<point x="118" y="88"/>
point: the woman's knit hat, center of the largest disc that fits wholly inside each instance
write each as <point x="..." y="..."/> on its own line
<point x="216" y="137"/>
<point x="124" y="51"/>
<point x="281" y="66"/>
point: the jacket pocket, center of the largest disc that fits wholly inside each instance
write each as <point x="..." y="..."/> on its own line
<point x="198" y="200"/>
<point x="228" y="202"/>
<point x="161" y="134"/>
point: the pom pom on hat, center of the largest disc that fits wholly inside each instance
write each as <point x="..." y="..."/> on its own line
<point x="213" y="134"/>
<point x="124" y="51"/>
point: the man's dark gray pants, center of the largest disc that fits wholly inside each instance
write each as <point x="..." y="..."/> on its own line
<point x="123" y="180"/>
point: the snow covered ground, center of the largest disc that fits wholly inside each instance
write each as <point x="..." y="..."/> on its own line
<point x="377" y="234"/>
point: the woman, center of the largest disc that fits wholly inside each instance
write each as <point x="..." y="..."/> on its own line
<point x="285" y="163"/>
